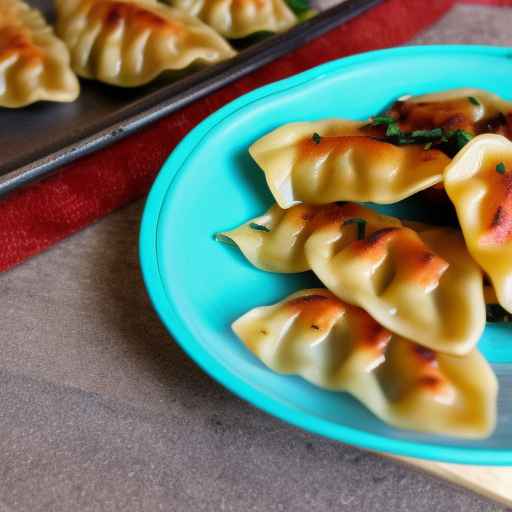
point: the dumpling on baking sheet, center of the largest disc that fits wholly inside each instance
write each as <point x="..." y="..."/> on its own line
<point x="275" y="241"/>
<point x="235" y="19"/>
<point x="334" y="160"/>
<point x="34" y="63"/>
<point x="130" y="42"/>
<point x="424" y="286"/>
<point x="340" y="347"/>
<point x="479" y="183"/>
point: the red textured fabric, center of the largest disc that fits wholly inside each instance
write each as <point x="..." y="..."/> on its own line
<point x="41" y="214"/>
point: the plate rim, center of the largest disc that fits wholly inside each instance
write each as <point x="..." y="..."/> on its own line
<point x="163" y="303"/>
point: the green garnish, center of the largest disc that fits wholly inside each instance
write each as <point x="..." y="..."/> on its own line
<point x="451" y="142"/>
<point x="473" y="100"/>
<point x="460" y="138"/>
<point x="501" y="168"/>
<point x="298" y="6"/>
<point x="221" y="237"/>
<point x="382" y="120"/>
<point x="315" y="327"/>
<point x="361" y="226"/>
<point x="316" y="138"/>
<point x="393" y="130"/>
<point x="436" y="133"/>
<point x="259" y="227"/>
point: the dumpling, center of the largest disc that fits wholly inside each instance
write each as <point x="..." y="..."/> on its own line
<point x="424" y="286"/>
<point x="34" y="63"/>
<point x="239" y="18"/>
<point x="340" y="347"/>
<point x="473" y="110"/>
<point x="479" y="183"/>
<point x="326" y="161"/>
<point x="275" y="241"/>
<point x="130" y="42"/>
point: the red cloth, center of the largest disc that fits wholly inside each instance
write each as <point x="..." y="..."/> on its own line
<point x="41" y="214"/>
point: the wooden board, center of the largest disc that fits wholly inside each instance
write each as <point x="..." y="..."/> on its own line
<point x="492" y="482"/>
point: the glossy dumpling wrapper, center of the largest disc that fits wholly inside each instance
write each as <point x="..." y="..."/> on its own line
<point x="240" y="18"/>
<point x="275" y="241"/>
<point x="130" y="42"/>
<point x="327" y="161"/>
<point x="424" y="286"/>
<point x="34" y="63"/>
<point x="340" y="347"/>
<point x="473" y="110"/>
<point x="479" y="183"/>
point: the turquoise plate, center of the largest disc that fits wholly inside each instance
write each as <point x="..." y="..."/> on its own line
<point x="209" y="184"/>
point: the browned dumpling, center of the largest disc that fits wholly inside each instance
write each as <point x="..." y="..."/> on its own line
<point x="424" y="286"/>
<point x="335" y="160"/>
<point x="240" y="18"/>
<point x="34" y="63"/>
<point x="275" y="240"/>
<point x="130" y="42"/>
<point x="340" y="347"/>
<point x="479" y="182"/>
<point x="473" y="110"/>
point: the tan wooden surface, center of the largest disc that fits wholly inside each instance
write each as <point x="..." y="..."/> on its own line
<point x="492" y="482"/>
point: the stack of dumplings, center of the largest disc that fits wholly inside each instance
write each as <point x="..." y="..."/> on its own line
<point x="404" y="303"/>
<point x="124" y="43"/>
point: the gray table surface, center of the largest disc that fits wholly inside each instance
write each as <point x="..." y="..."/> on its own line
<point x="101" y="411"/>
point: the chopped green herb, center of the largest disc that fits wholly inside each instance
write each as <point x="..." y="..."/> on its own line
<point x="361" y="226"/>
<point x="258" y="227"/>
<point x="393" y="130"/>
<point x="436" y="133"/>
<point x="453" y="141"/>
<point x="298" y="6"/>
<point x="316" y="138"/>
<point x="501" y="168"/>
<point x="220" y="237"/>
<point x="315" y="327"/>
<point x="461" y="138"/>
<point x="382" y="120"/>
<point x="473" y="100"/>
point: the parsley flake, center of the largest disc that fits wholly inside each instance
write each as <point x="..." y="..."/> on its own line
<point x="473" y="101"/>
<point x="316" y="138"/>
<point x="382" y="120"/>
<point x="298" y="6"/>
<point x="501" y="168"/>
<point x="361" y="226"/>
<point x="259" y="227"/>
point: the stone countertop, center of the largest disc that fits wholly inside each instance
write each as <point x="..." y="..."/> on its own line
<point x="101" y="411"/>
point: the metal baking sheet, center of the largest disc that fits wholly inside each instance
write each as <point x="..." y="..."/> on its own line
<point x="37" y="139"/>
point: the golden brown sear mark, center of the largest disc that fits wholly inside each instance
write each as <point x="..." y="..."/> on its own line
<point x="308" y="148"/>
<point x="369" y="334"/>
<point x="112" y="14"/>
<point x="319" y="309"/>
<point x="500" y="208"/>
<point x="15" y="40"/>
<point x="420" y="265"/>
